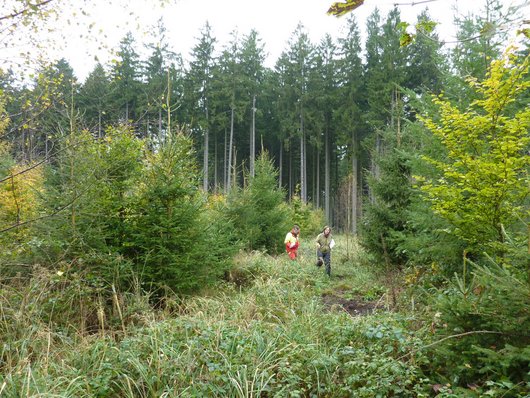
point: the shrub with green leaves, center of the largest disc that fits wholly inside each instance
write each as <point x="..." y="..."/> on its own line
<point x="484" y="178"/>
<point x="310" y="220"/>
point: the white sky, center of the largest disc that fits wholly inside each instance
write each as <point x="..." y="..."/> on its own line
<point x="274" y="20"/>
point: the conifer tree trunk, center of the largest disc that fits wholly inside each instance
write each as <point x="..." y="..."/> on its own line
<point x="355" y="165"/>
<point x="228" y="185"/>
<point x="205" y="156"/>
<point x="99" y="124"/>
<point x="215" y="168"/>
<point x="253" y="137"/>
<point x="160" y="133"/>
<point x="303" y="173"/>
<point x="280" y="175"/>
<point x="327" y="177"/>
<point x="234" y="169"/>
<point x="225" y="162"/>
<point x="318" y="180"/>
<point x="313" y="175"/>
<point x="290" y="172"/>
<point x="374" y="166"/>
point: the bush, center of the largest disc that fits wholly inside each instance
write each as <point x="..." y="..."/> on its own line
<point x="174" y="241"/>
<point x="310" y="220"/>
<point x="258" y="211"/>
<point x="88" y="190"/>
<point x="485" y="323"/>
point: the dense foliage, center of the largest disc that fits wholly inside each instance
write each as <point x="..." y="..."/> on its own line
<point x="258" y="210"/>
<point x="142" y="232"/>
<point x="484" y="178"/>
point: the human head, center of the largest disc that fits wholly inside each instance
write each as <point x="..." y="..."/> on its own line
<point x="326" y="230"/>
<point x="296" y="229"/>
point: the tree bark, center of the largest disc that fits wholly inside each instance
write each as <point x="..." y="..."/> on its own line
<point x="318" y="181"/>
<point x="355" y="166"/>
<point x="228" y="185"/>
<point x="206" y="155"/>
<point x="253" y="137"/>
<point x="327" y="177"/>
<point x="215" y="167"/>
<point x="303" y="173"/>
<point x="280" y="177"/>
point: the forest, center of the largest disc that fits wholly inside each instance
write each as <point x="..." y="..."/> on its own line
<point x="143" y="212"/>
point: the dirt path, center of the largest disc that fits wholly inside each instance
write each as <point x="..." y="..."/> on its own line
<point x="354" y="307"/>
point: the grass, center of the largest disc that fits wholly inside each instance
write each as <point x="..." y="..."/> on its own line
<point x="264" y="333"/>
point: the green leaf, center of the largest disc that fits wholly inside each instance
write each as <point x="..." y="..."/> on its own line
<point x="426" y="26"/>
<point x="525" y="32"/>
<point x="405" y="39"/>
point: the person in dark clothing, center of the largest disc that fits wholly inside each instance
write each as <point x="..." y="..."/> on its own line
<point x="324" y="244"/>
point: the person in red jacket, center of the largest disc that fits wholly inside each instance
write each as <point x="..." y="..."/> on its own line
<point x="292" y="241"/>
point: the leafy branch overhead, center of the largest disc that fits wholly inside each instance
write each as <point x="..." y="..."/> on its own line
<point x="341" y="8"/>
<point x="425" y="27"/>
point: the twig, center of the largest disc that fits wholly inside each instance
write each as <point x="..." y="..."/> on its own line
<point x="14" y="190"/>
<point x="40" y="218"/>
<point x="414" y="3"/>
<point x="11" y="176"/>
<point x="25" y="10"/>
<point x="447" y="338"/>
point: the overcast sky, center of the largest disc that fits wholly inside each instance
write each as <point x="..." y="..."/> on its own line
<point x="274" y="20"/>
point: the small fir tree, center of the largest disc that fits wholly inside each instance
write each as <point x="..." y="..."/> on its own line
<point x="174" y="244"/>
<point x="259" y="211"/>
<point x="386" y="217"/>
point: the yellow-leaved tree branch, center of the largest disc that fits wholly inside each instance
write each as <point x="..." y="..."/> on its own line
<point x="482" y="187"/>
<point x="341" y="8"/>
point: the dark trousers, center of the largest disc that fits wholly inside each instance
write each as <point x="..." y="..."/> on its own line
<point x="327" y="260"/>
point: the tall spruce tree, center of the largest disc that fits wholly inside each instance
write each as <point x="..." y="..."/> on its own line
<point x="322" y="102"/>
<point x="125" y="83"/>
<point x="158" y="77"/>
<point x="385" y="216"/>
<point x="294" y="67"/>
<point x="199" y="93"/>
<point x="230" y="89"/>
<point x="251" y="58"/>
<point x="94" y="100"/>
<point x="348" y="114"/>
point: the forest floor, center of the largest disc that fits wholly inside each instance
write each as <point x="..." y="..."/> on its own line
<point x="354" y="307"/>
<point x="353" y="287"/>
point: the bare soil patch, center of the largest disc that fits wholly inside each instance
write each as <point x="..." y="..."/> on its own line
<point x="354" y="307"/>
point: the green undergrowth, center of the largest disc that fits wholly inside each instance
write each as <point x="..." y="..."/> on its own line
<point x="273" y="328"/>
<point x="263" y="332"/>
